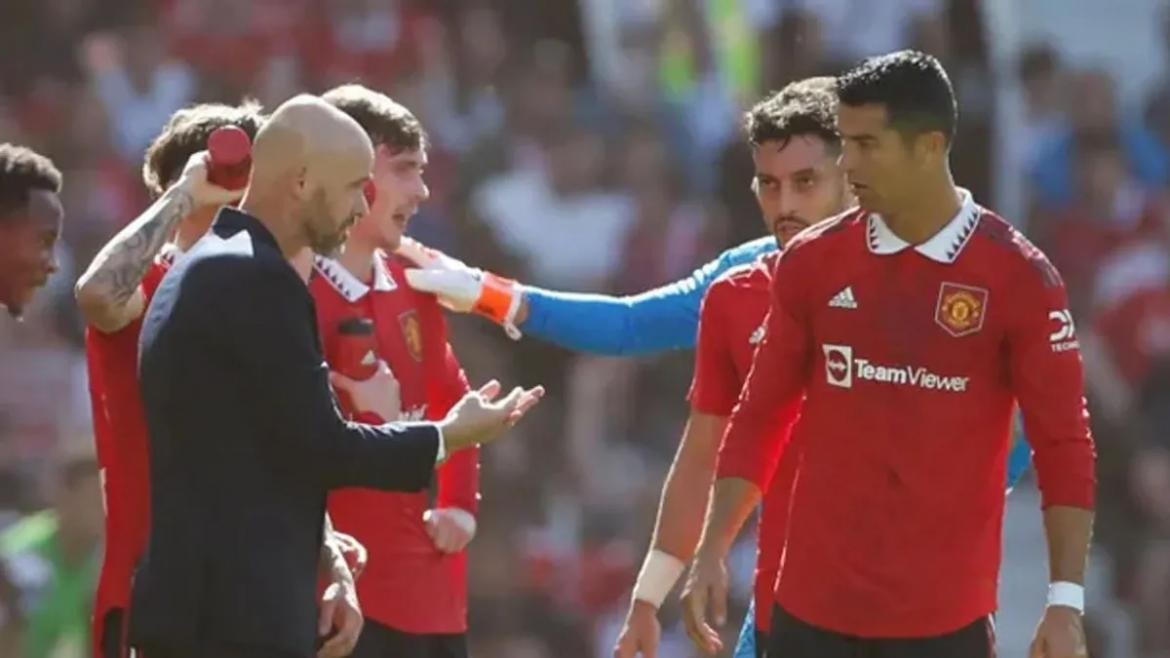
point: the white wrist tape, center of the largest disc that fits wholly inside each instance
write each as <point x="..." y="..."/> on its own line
<point x="659" y="572"/>
<point x="1069" y="595"/>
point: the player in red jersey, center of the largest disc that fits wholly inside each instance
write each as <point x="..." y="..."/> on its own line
<point x="30" y="222"/>
<point x="414" y="593"/>
<point x="911" y="326"/>
<point x="113" y="294"/>
<point x="797" y="183"/>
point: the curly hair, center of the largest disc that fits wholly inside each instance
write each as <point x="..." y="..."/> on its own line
<point x="23" y="170"/>
<point x="805" y="107"/>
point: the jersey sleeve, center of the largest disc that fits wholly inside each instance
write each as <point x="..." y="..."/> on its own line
<point x="458" y="477"/>
<point x="715" y="385"/>
<point x="653" y="321"/>
<point x="761" y="425"/>
<point x="1047" y="379"/>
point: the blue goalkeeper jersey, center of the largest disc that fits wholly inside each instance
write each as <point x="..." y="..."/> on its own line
<point x="665" y="318"/>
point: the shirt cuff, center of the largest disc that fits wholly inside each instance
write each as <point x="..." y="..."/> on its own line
<point x="441" y="452"/>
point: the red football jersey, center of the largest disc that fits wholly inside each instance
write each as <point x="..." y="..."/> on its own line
<point x="409" y="584"/>
<point x="911" y="359"/>
<point x="120" y="435"/>
<point x="731" y="324"/>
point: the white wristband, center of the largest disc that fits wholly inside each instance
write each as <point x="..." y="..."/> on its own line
<point x="659" y="572"/>
<point x="1069" y="595"/>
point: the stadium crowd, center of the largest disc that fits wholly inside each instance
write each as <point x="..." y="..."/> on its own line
<point x="586" y="146"/>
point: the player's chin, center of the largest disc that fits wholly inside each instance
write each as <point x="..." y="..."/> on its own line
<point x="391" y="238"/>
<point x="785" y="231"/>
<point x="16" y="303"/>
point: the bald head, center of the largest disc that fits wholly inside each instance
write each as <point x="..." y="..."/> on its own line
<point x="310" y="162"/>
<point x="307" y="132"/>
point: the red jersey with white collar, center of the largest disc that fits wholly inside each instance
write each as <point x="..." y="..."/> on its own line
<point x="409" y="584"/>
<point x="911" y="360"/>
<point x="731" y="325"/>
<point x="121" y="441"/>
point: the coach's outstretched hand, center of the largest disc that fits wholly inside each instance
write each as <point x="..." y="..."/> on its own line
<point x="479" y="418"/>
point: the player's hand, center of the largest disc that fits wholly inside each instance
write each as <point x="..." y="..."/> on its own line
<point x="450" y="528"/>
<point x="340" y="615"/>
<point x="1061" y="634"/>
<point x="706" y="587"/>
<point x="205" y="193"/>
<point x="641" y="634"/>
<point x="380" y="394"/>
<point x="456" y="285"/>
<point x="353" y="551"/>
<point x="459" y="287"/>
<point x="478" y="418"/>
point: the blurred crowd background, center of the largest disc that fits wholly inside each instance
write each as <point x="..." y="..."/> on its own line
<point x="594" y="145"/>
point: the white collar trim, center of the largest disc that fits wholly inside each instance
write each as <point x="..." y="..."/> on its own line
<point x="348" y="285"/>
<point x="943" y="247"/>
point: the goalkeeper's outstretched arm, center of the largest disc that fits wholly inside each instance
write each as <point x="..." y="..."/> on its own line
<point x="653" y="321"/>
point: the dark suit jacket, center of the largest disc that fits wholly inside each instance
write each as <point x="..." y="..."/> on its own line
<point x="245" y="441"/>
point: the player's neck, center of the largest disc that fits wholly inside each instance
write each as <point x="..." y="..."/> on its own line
<point x="935" y="206"/>
<point x="358" y="259"/>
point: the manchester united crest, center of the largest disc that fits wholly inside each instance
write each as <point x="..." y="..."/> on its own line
<point x="412" y="334"/>
<point x="960" y="309"/>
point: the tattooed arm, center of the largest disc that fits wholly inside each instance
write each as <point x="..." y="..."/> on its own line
<point x="109" y="292"/>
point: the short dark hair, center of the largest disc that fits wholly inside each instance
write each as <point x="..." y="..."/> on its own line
<point x="23" y="170"/>
<point x="805" y="107"/>
<point x="913" y="87"/>
<point x="186" y="133"/>
<point x="384" y="120"/>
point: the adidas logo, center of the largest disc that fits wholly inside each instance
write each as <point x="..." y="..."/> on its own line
<point x="369" y="359"/>
<point x="843" y="299"/>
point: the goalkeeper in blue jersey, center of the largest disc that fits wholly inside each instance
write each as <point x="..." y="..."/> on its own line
<point x="653" y="321"/>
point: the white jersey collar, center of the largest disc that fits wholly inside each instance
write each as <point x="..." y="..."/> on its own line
<point x="943" y="247"/>
<point x="349" y="286"/>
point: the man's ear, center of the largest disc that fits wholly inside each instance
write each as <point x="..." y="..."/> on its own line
<point x="931" y="145"/>
<point x="301" y="184"/>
